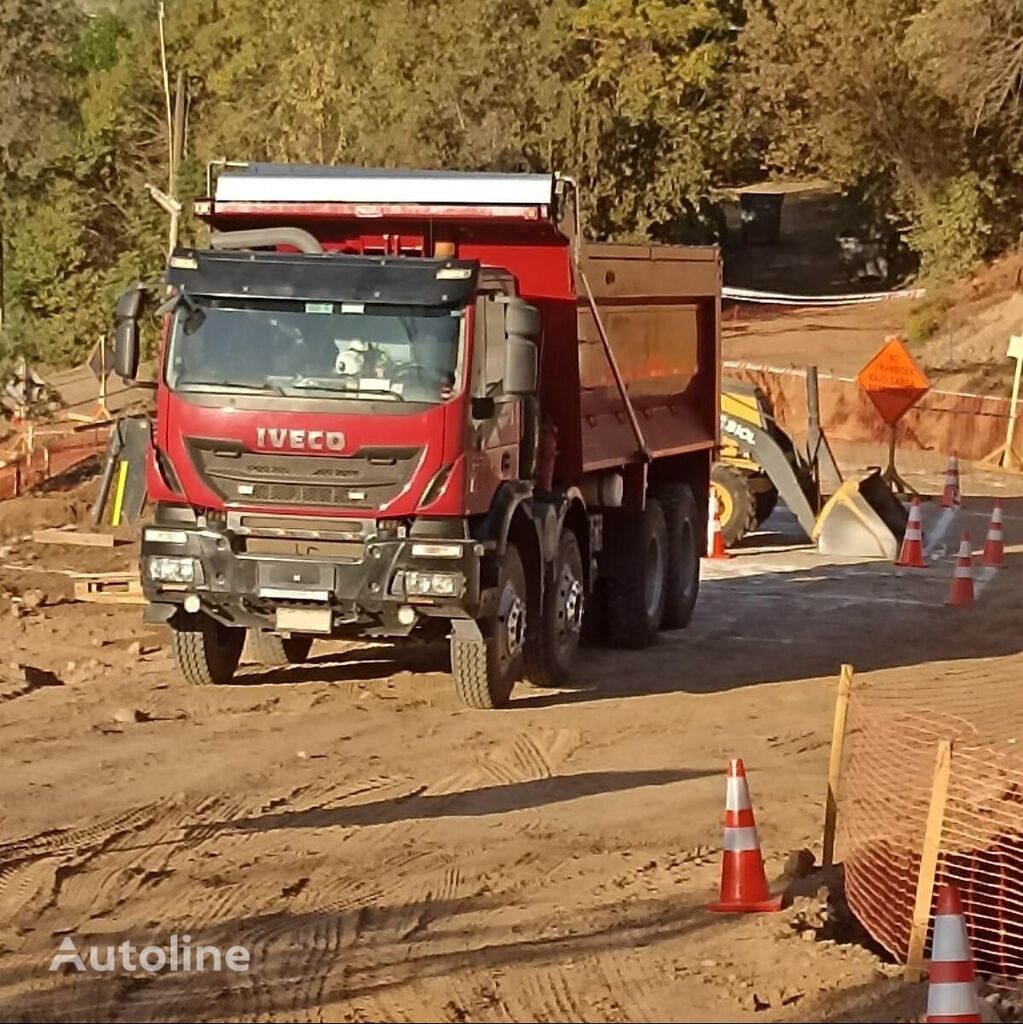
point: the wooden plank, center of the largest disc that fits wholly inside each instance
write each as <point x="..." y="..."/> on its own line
<point x="65" y="535"/>
<point x="835" y="765"/>
<point x="110" y="588"/>
<point x="929" y="861"/>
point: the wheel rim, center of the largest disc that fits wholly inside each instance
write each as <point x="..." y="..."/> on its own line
<point x="569" y="608"/>
<point x="654" y="582"/>
<point x="512" y="615"/>
<point x="725" y="504"/>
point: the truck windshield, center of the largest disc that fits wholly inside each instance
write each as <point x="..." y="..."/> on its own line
<point x="371" y="351"/>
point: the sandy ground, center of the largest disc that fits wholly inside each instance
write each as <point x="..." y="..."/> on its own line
<point x="385" y="854"/>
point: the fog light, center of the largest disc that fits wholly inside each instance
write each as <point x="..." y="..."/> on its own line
<point x="433" y="584"/>
<point x="172" y="570"/>
<point x="406" y="615"/>
<point x="192" y="603"/>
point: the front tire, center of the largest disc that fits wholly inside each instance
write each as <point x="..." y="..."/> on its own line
<point x="485" y="670"/>
<point x="683" y="577"/>
<point x="635" y="593"/>
<point x="552" y="643"/>
<point x="277" y="651"/>
<point x="206" y="651"/>
<point x="735" y="500"/>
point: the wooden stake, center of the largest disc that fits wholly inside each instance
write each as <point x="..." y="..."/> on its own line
<point x="929" y="861"/>
<point x="845" y="679"/>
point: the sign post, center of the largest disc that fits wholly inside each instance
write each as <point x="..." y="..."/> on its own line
<point x="1005" y="455"/>
<point x="894" y="382"/>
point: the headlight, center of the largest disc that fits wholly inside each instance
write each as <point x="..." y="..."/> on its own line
<point x="436" y="550"/>
<point x="166" y="536"/>
<point x="172" y="570"/>
<point x="433" y="584"/>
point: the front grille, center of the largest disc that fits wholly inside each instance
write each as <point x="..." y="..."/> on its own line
<point x="368" y="479"/>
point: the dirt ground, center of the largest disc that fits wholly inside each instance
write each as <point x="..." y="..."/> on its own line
<point x="385" y="854"/>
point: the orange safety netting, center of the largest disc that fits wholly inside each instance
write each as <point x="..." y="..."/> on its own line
<point x="893" y="730"/>
<point x="51" y="453"/>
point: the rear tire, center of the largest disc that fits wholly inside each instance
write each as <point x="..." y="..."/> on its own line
<point x="738" y="509"/>
<point x="276" y="651"/>
<point x="683" y="575"/>
<point x="552" y="643"/>
<point x="635" y="590"/>
<point x="206" y="651"/>
<point x="485" y="670"/>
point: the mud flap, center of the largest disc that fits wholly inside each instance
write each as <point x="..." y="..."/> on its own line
<point x="862" y="518"/>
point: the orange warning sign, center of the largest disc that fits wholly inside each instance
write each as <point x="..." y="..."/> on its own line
<point x="893" y="381"/>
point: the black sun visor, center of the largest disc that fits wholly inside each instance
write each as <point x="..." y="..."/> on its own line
<point x="401" y="281"/>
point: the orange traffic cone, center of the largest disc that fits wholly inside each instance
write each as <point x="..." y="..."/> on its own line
<point x="994" y="548"/>
<point x="952" y="497"/>
<point x="715" y="539"/>
<point x="962" y="578"/>
<point x="952" y="990"/>
<point x="912" y="554"/>
<point x="743" y="881"/>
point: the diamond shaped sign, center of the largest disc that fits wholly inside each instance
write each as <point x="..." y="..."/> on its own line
<point x="893" y="381"/>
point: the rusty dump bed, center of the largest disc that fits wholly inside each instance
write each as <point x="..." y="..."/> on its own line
<point x="660" y="310"/>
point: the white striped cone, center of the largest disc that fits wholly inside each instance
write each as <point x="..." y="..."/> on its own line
<point x="994" y="546"/>
<point x="952" y="992"/>
<point x="962" y="576"/>
<point x="912" y="554"/>
<point x="743" y="880"/>
<point x="952" y="497"/>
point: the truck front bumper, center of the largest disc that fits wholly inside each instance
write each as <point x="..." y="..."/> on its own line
<point x="213" y="570"/>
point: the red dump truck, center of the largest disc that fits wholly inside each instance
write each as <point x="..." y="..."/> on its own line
<point x="395" y="404"/>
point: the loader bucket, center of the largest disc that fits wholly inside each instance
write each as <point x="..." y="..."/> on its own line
<point x="862" y="518"/>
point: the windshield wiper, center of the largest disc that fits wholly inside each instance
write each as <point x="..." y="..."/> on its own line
<point x="229" y="385"/>
<point x="320" y="385"/>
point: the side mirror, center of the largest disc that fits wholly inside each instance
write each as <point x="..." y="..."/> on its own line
<point x="520" y="366"/>
<point x="126" y="332"/>
<point x="522" y="319"/>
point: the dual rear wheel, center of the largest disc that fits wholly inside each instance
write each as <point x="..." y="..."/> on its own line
<point x="649" y="580"/>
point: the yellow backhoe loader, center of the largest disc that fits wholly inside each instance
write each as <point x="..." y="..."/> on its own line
<point x="759" y="463"/>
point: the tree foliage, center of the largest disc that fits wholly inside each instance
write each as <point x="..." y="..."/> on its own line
<point x="912" y="104"/>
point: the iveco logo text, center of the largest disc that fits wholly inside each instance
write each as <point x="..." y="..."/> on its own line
<point x="312" y="440"/>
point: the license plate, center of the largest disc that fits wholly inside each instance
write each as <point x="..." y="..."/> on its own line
<point x="304" y="620"/>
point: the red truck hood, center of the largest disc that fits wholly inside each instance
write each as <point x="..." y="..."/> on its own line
<point x="313" y="463"/>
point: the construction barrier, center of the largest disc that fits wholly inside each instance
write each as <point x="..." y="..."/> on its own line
<point x="930" y="790"/>
<point x="944" y="421"/>
<point x="47" y="453"/>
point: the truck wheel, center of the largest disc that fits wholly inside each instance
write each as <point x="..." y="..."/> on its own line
<point x="635" y="593"/>
<point x="683" y="579"/>
<point x="271" y="649"/>
<point x="551" y="643"/>
<point x="738" y="510"/>
<point x="206" y="651"/>
<point x="485" y="671"/>
<point x="592" y="632"/>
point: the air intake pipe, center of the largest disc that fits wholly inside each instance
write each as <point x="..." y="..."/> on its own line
<point x="258" y="238"/>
